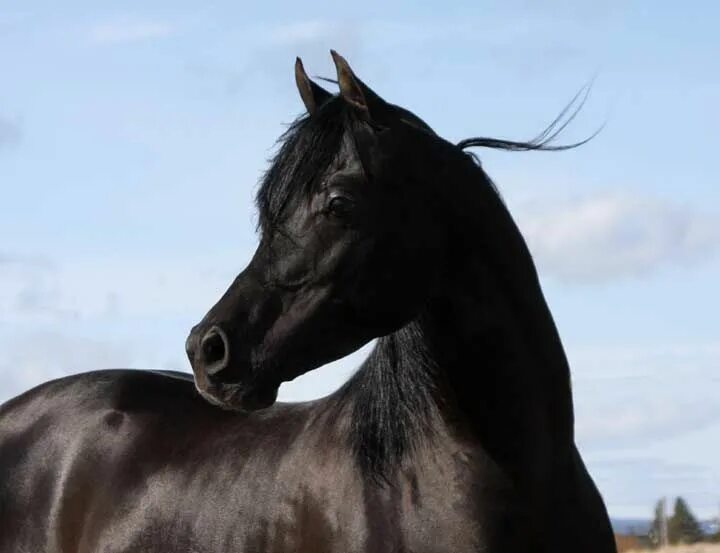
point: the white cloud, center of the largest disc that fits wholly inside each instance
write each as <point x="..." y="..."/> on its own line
<point x="10" y="20"/>
<point x="632" y="484"/>
<point x="645" y="418"/>
<point x="496" y="33"/>
<point x="129" y="30"/>
<point x="630" y="397"/>
<point x="648" y="422"/>
<point x="36" y="290"/>
<point x="304" y="31"/>
<point x="32" y="358"/>
<point x="609" y="236"/>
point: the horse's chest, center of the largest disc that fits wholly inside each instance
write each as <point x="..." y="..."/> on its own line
<point x="464" y="504"/>
<point x="452" y="503"/>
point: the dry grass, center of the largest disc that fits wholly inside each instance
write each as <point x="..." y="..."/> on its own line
<point x="695" y="548"/>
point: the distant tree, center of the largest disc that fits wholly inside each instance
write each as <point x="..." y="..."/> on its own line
<point x="655" y="532"/>
<point x="683" y="527"/>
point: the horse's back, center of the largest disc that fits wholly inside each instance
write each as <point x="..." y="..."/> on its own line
<point x="127" y="461"/>
<point x="64" y="444"/>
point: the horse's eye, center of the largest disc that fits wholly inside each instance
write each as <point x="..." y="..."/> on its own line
<point x="339" y="206"/>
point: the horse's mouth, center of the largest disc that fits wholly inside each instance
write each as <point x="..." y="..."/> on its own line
<point x="236" y="397"/>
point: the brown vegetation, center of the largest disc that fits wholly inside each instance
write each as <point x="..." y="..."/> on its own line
<point x="694" y="548"/>
<point x="627" y="543"/>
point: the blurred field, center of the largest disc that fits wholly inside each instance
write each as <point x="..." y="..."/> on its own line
<point x="695" y="548"/>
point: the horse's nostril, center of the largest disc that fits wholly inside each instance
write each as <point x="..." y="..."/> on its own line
<point x="214" y="350"/>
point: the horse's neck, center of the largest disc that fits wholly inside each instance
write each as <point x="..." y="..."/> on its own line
<point x="483" y="359"/>
<point x="500" y="369"/>
<point x="499" y="366"/>
<point x="479" y="363"/>
<point x="494" y="337"/>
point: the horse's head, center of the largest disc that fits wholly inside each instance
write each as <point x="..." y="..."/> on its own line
<point x="351" y="245"/>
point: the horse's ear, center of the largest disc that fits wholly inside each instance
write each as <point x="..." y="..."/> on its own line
<point x="312" y="94"/>
<point x="352" y="89"/>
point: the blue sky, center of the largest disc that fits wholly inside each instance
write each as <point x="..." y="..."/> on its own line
<point x="132" y="138"/>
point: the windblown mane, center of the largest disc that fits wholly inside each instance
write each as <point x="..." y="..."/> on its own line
<point x="543" y="141"/>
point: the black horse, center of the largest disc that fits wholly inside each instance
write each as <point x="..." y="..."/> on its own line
<point x="455" y="435"/>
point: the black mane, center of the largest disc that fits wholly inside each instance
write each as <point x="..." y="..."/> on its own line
<point x="307" y="148"/>
<point x="393" y="400"/>
<point x="392" y="395"/>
